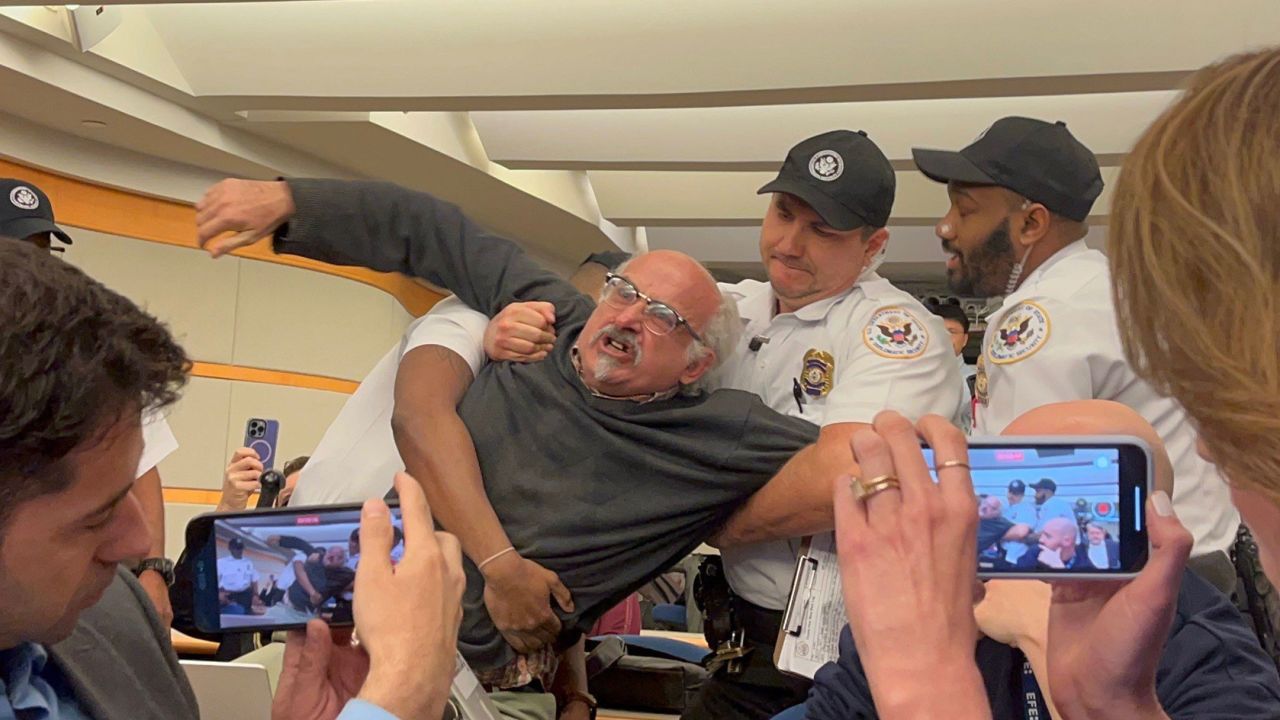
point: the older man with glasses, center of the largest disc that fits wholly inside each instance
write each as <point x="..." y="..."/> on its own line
<point x="598" y="468"/>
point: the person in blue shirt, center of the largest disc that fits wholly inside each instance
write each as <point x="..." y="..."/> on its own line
<point x="78" y="635"/>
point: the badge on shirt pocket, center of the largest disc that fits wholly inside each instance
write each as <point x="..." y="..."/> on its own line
<point x="818" y="374"/>
<point x="893" y="332"/>
<point x="980" y="381"/>
<point x="1021" y="334"/>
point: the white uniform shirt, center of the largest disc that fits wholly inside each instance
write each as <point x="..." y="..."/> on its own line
<point x="236" y="574"/>
<point x="1022" y="513"/>
<point x="158" y="442"/>
<point x="289" y="575"/>
<point x="1054" y="507"/>
<point x="873" y="348"/>
<point x="1054" y="340"/>
<point x="357" y="458"/>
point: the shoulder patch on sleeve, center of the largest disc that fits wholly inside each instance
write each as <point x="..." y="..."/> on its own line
<point x="1022" y="332"/>
<point x="894" y="332"/>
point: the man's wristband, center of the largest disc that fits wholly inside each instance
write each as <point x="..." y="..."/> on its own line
<point x="495" y="556"/>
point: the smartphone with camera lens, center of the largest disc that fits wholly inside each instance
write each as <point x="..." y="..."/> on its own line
<point x="266" y="570"/>
<point x="1060" y="507"/>
<point x="261" y="435"/>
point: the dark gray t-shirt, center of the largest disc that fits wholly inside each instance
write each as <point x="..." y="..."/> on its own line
<point x="605" y="493"/>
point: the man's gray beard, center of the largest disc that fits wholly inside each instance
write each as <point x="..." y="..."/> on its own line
<point x="606" y="364"/>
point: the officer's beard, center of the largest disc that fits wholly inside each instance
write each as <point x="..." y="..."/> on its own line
<point x="984" y="271"/>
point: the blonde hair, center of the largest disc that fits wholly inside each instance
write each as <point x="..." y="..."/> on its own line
<point x="1195" y="254"/>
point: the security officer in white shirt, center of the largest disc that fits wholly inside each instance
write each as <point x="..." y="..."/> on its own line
<point x="1020" y="511"/>
<point x="830" y="341"/>
<point x="1020" y="197"/>
<point x="237" y="580"/>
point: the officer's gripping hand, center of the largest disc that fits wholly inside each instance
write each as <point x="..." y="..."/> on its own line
<point x="518" y="593"/>
<point x="522" y="332"/>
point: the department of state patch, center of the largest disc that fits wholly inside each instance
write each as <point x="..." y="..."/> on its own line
<point x="818" y="374"/>
<point x="1021" y="334"/>
<point x="24" y="197"/>
<point x="893" y="332"/>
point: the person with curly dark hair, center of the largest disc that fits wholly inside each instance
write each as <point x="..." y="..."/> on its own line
<point x="26" y="214"/>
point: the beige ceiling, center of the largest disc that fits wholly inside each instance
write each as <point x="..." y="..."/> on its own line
<point x="578" y="125"/>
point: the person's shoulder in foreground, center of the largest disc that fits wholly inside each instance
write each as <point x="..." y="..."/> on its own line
<point x="1212" y="668"/>
<point x="118" y="643"/>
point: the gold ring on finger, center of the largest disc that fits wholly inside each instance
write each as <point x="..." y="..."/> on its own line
<point x="862" y="490"/>
<point x="952" y="464"/>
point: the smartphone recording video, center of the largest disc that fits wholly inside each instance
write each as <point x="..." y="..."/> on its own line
<point x="277" y="569"/>
<point x="1054" y="507"/>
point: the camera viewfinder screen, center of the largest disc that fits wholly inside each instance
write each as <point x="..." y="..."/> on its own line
<point x="282" y="569"/>
<point x="1047" y="508"/>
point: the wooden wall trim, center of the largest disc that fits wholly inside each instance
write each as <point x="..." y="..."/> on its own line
<point x="222" y="371"/>
<point x="84" y="204"/>
<point x="196" y="496"/>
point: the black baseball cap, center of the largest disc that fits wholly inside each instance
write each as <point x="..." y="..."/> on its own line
<point x="843" y="176"/>
<point x="1017" y="486"/>
<point x="1046" y="484"/>
<point x="25" y="211"/>
<point x="236" y="543"/>
<point x="1042" y="161"/>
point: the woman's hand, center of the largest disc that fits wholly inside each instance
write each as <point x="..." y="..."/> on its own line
<point x="908" y="569"/>
<point x="1130" y="620"/>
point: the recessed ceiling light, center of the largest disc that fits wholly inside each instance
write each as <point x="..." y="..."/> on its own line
<point x="93" y="124"/>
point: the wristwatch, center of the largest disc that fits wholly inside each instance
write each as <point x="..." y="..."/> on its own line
<point x="164" y="566"/>
<point x="584" y="698"/>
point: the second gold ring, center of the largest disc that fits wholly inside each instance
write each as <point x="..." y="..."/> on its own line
<point x="864" y="489"/>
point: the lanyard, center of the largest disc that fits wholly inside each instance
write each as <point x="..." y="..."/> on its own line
<point x="1033" y="704"/>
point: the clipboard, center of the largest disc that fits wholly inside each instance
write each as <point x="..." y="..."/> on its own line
<point x="810" y="634"/>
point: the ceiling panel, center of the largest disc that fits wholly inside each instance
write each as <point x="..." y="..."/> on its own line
<point x="576" y="50"/>
<point x="754" y="138"/>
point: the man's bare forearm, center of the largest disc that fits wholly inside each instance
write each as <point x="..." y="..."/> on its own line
<point x="150" y="494"/>
<point x="797" y="501"/>
<point x="437" y="449"/>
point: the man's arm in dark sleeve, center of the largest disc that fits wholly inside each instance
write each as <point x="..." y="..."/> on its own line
<point x="840" y="689"/>
<point x="1213" y="667"/>
<point x="385" y="227"/>
<point x="796" y="499"/>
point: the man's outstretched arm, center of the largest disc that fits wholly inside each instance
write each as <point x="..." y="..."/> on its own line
<point x="797" y="501"/>
<point x="438" y="451"/>
<point x="380" y="226"/>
